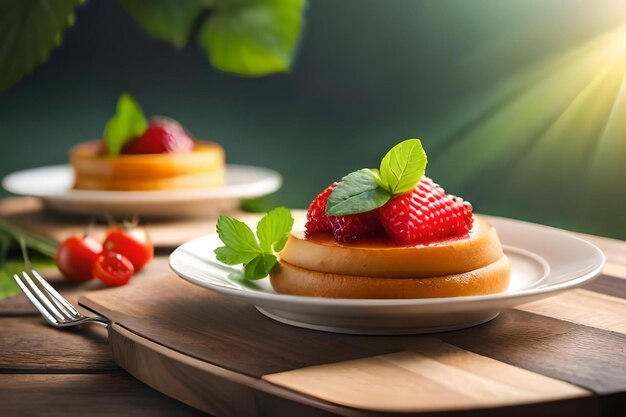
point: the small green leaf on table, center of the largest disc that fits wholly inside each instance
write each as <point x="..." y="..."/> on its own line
<point x="42" y="252"/>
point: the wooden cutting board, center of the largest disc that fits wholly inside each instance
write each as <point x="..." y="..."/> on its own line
<point x="561" y="356"/>
<point x="31" y="215"/>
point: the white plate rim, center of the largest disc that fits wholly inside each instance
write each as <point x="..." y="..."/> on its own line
<point x="270" y="183"/>
<point x="533" y="291"/>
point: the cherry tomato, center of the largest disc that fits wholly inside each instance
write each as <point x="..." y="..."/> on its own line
<point x="113" y="269"/>
<point x="77" y="256"/>
<point x="133" y="243"/>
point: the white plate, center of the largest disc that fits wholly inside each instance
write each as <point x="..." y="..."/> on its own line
<point x="544" y="261"/>
<point x="54" y="186"/>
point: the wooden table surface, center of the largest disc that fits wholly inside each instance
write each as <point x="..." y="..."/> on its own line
<point x="45" y="371"/>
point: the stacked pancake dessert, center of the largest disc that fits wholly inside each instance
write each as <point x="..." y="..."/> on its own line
<point x="391" y="233"/>
<point x="140" y="155"/>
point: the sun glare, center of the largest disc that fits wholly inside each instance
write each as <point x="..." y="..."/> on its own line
<point x="558" y="126"/>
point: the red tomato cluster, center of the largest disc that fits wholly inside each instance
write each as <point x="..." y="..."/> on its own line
<point x="123" y="252"/>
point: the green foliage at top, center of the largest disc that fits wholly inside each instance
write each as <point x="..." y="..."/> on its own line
<point x="29" y="31"/>
<point x="252" y="37"/>
<point x="243" y="37"/>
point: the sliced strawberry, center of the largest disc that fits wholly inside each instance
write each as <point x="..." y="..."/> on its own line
<point x="344" y="228"/>
<point x="163" y="135"/>
<point x="426" y="214"/>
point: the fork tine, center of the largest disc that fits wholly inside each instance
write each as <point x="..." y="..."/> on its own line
<point x="56" y="297"/>
<point x="35" y="301"/>
<point x="42" y="298"/>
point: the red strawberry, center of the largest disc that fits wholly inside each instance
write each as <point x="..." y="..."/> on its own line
<point x="356" y="226"/>
<point x="345" y="228"/>
<point x="162" y="136"/>
<point x="317" y="220"/>
<point x="425" y="214"/>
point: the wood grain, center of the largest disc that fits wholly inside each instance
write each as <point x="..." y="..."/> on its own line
<point x="591" y="358"/>
<point x="235" y="337"/>
<point x="20" y="305"/>
<point x="209" y="388"/>
<point x="29" y="345"/>
<point x="203" y="385"/>
<point x="241" y="338"/>
<point x="584" y="307"/>
<point x="435" y="376"/>
<point x="608" y="285"/>
<point x="239" y="346"/>
<point x="84" y="395"/>
<point x="615" y="270"/>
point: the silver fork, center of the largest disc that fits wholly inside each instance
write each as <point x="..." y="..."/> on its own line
<point x="53" y="307"/>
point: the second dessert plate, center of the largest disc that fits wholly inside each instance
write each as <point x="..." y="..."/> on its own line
<point x="545" y="261"/>
<point x="53" y="185"/>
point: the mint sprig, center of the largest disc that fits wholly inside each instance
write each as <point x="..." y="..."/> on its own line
<point x="368" y="189"/>
<point x="357" y="192"/>
<point x="127" y="123"/>
<point x="257" y="254"/>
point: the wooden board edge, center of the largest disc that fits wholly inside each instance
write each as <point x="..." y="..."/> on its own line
<point x="208" y="387"/>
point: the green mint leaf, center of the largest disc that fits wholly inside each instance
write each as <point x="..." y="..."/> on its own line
<point x="259" y="267"/>
<point x="229" y="256"/>
<point x="403" y="166"/>
<point x="357" y="192"/>
<point x="252" y="37"/>
<point x="166" y="19"/>
<point x="127" y="123"/>
<point x="273" y="229"/>
<point x="29" y="31"/>
<point x="237" y="235"/>
<point x="241" y="246"/>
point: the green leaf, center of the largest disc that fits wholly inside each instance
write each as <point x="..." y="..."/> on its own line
<point x="357" y="192"/>
<point x="29" y="31"/>
<point x="127" y="123"/>
<point x="259" y="267"/>
<point x="242" y="247"/>
<point x="40" y="244"/>
<point x="403" y="166"/>
<point x="8" y="286"/>
<point x="273" y="229"/>
<point x="229" y="256"/>
<point x="166" y="19"/>
<point x="237" y="235"/>
<point x="252" y="37"/>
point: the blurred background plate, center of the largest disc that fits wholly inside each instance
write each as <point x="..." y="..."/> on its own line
<point x="53" y="185"/>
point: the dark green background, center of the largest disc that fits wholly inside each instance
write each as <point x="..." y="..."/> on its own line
<point x="368" y="74"/>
